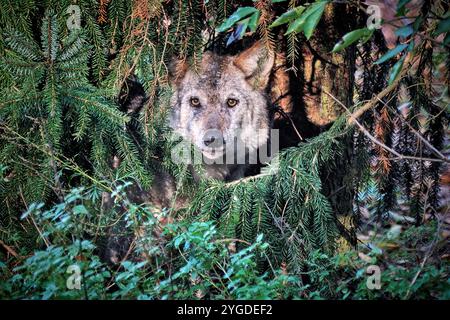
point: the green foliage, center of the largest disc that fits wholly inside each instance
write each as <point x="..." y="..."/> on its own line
<point x="285" y="202"/>
<point x="269" y="236"/>
<point x="395" y="71"/>
<point x="51" y="117"/>
<point x="391" y="53"/>
<point x="288" y="16"/>
<point x="204" y="263"/>
<point x="362" y="34"/>
<point x="300" y="19"/>
<point x="212" y="271"/>
<point x="45" y="274"/>
<point x="246" y="18"/>
<point x="239" y="15"/>
<point x="346" y="275"/>
<point x="307" y="21"/>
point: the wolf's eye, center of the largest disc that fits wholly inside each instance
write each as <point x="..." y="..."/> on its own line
<point x="232" y="102"/>
<point x="195" y="102"/>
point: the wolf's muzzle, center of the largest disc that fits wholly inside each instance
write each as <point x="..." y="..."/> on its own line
<point x="213" y="139"/>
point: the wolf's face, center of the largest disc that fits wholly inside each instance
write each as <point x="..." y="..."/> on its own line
<point x="223" y="102"/>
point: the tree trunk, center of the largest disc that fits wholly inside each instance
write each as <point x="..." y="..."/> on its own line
<point x="313" y="111"/>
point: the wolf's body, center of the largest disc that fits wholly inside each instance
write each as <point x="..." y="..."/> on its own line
<point x="221" y="104"/>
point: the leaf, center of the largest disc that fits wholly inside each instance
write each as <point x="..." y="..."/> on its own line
<point x="80" y="209"/>
<point x="308" y="20"/>
<point x="404" y="31"/>
<point x="34" y="207"/>
<point x="396" y="70"/>
<point x="259" y="237"/>
<point x="253" y="21"/>
<point x="238" y="15"/>
<point x="401" y="10"/>
<point x="402" y="3"/>
<point x="394" y="231"/>
<point x="447" y="39"/>
<point x="313" y="18"/>
<point x="296" y="26"/>
<point x="276" y="1"/>
<point x="288" y="16"/>
<point x="177" y="241"/>
<point x="443" y="26"/>
<point x="417" y="23"/>
<point x="351" y="37"/>
<point x="239" y="32"/>
<point x="410" y="46"/>
<point x="391" y="53"/>
<point x="375" y="249"/>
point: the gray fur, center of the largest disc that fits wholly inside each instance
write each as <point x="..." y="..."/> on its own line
<point x="242" y="78"/>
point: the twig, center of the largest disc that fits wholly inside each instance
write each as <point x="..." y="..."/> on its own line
<point x="247" y="179"/>
<point x="232" y="240"/>
<point x="111" y="283"/>
<point x="61" y="159"/>
<point x="422" y="264"/>
<point x="421" y="138"/>
<point x="286" y="116"/>
<point x="371" y="103"/>
<point x="10" y="250"/>
<point x="374" y="140"/>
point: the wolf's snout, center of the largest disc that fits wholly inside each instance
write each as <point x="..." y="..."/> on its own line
<point x="213" y="139"/>
<point x="209" y="140"/>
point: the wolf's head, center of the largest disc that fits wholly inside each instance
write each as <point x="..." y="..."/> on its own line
<point x="223" y="101"/>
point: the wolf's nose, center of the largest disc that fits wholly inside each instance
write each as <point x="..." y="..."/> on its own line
<point x="209" y="140"/>
<point x="213" y="139"/>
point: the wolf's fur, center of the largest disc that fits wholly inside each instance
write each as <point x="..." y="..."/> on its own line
<point x="243" y="78"/>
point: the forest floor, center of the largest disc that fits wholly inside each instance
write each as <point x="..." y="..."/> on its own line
<point x="410" y="256"/>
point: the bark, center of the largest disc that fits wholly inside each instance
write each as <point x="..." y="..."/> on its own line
<point x="313" y="111"/>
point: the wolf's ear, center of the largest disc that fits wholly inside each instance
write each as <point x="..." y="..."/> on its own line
<point x="256" y="62"/>
<point x="177" y="68"/>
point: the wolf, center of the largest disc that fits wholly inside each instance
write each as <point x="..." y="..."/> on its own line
<point x="223" y="102"/>
<point x="223" y="106"/>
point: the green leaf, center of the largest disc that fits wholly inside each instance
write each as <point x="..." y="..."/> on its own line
<point x="275" y="1"/>
<point x="410" y="46"/>
<point x="296" y="26"/>
<point x="351" y="37"/>
<point x="308" y="21"/>
<point x="443" y="26"/>
<point x="402" y="3"/>
<point x="250" y="23"/>
<point x="391" y="53"/>
<point x="80" y="209"/>
<point x="34" y="207"/>
<point x="238" y="15"/>
<point x="396" y="70"/>
<point x="288" y="16"/>
<point x="401" y="10"/>
<point x="417" y="23"/>
<point x="313" y="19"/>
<point x="253" y="21"/>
